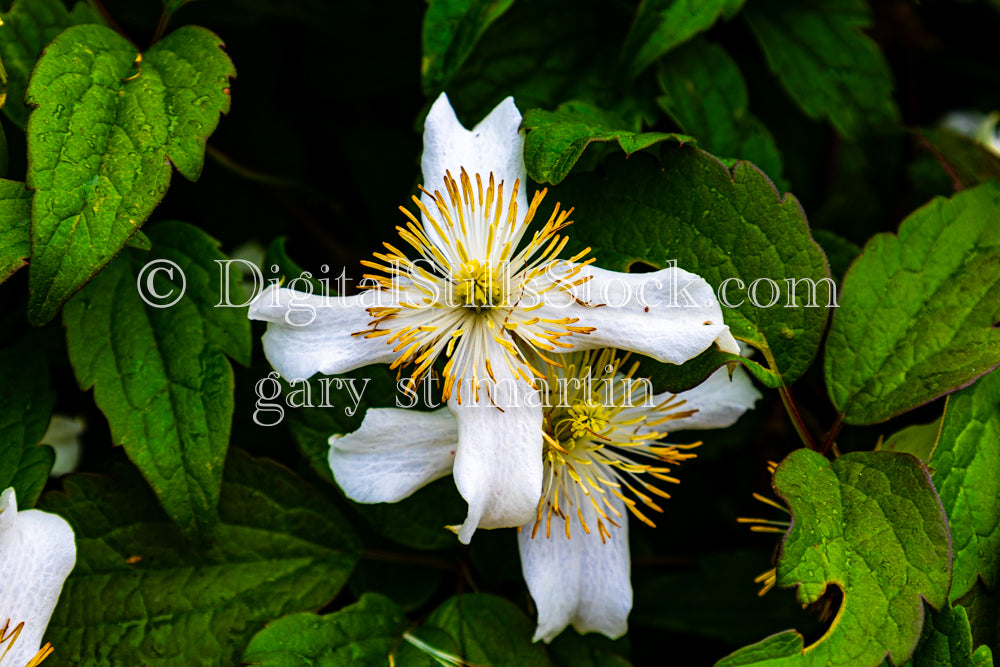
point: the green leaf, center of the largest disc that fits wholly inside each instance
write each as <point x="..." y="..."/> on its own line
<point x="451" y="30"/>
<point x="966" y="160"/>
<point x="946" y="641"/>
<point x="26" y="401"/>
<point x="362" y="634"/>
<point x="727" y="576"/>
<point x="719" y="225"/>
<point x="141" y="595"/>
<point x="570" y="649"/>
<point x="481" y="629"/>
<point x="920" y="440"/>
<point x="705" y="94"/>
<point x="917" y="310"/>
<point x="26" y="29"/>
<point x="102" y="141"/>
<point x="159" y="374"/>
<point x="871" y="524"/>
<point x="558" y="138"/>
<point x="675" y="379"/>
<point x="825" y="61"/>
<point x="661" y="25"/>
<point x="966" y="467"/>
<point x="15" y="216"/>
<point x="545" y="53"/>
<point x="983" y="609"/>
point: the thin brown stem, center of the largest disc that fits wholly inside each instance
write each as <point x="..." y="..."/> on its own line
<point x="161" y="26"/>
<point x="796" y="417"/>
<point x="831" y="436"/>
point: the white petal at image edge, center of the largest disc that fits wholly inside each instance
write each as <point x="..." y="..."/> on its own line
<point x="37" y="553"/>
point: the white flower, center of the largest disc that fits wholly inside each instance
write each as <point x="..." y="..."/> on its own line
<point x="485" y="294"/>
<point x="37" y="552"/>
<point x="63" y="436"/>
<point x="602" y="459"/>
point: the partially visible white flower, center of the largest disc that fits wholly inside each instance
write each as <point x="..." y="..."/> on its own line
<point x="975" y="125"/>
<point x="485" y="292"/>
<point x="63" y="436"/>
<point x="37" y="553"/>
<point x="603" y="457"/>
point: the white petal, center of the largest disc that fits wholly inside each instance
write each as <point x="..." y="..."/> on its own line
<point x="494" y="146"/>
<point x="671" y="315"/>
<point x="718" y="400"/>
<point x="581" y="580"/>
<point x="37" y="553"/>
<point x="498" y="468"/>
<point x="394" y="453"/>
<point x="63" y="436"/>
<point x="311" y="333"/>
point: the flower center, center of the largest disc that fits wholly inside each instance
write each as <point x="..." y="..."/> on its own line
<point x="601" y="443"/>
<point x="477" y="287"/>
<point x="474" y="293"/>
<point x="8" y="637"/>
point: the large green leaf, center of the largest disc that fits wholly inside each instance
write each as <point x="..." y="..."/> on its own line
<point x="141" y="595"/>
<point x="26" y="402"/>
<point x="451" y="30"/>
<point x="828" y="65"/>
<point x="361" y="635"/>
<point x="25" y="30"/>
<point x="558" y="138"/>
<point x="871" y="524"/>
<point x="966" y="466"/>
<point x="661" y="25"/>
<point x="704" y="92"/>
<point x="946" y="641"/>
<point x="160" y="375"/>
<point x="102" y="141"/>
<point x="719" y="225"/>
<point x="15" y="216"/>
<point x="482" y="630"/>
<point x="917" y="310"/>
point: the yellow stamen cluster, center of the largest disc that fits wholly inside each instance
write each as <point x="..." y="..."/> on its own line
<point x="761" y="525"/>
<point x="601" y="440"/>
<point x="8" y="637"/>
<point x="472" y="292"/>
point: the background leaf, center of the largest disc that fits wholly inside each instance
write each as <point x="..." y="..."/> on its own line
<point x="704" y="92"/>
<point x="142" y="595"/>
<point x="102" y="141"/>
<point x="451" y="30"/>
<point x="661" y="25"/>
<point x="26" y="29"/>
<point x="159" y="374"/>
<point x="26" y="401"/>
<point x="946" y="641"/>
<point x="15" y="216"/>
<point x="966" y="466"/>
<point x="917" y="310"/>
<point x="481" y="629"/>
<point x="362" y="634"/>
<point x="826" y="63"/>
